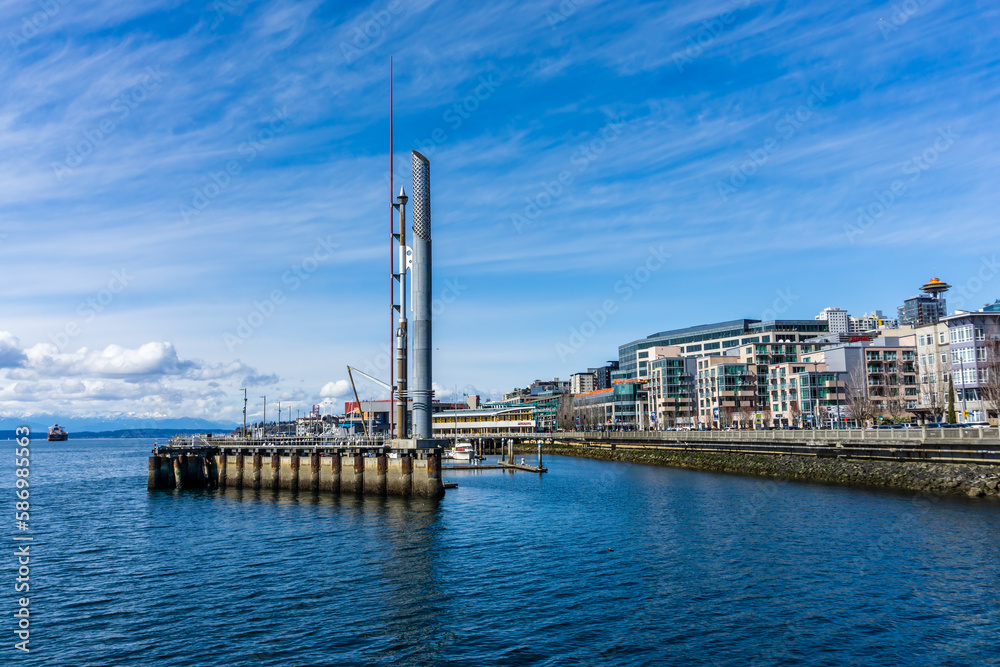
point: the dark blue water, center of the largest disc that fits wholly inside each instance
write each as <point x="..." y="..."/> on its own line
<point x="594" y="563"/>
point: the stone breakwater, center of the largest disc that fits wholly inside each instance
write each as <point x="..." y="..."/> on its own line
<point x="971" y="480"/>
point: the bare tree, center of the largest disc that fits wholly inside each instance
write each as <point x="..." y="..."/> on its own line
<point x="860" y="406"/>
<point x="932" y="399"/>
<point x="565" y="419"/>
<point x="726" y="416"/>
<point x="989" y="388"/>
<point x="794" y="412"/>
<point x="822" y="415"/>
<point x="747" y="412"/>
<point x="765" y="414"/>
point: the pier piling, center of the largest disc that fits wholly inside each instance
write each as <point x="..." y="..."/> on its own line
<point x="223" y="470"/>
<point x="296" y="466"/>
<point x="347" y="467"/>
<point x="336" y="465"/>
<point x="314" y="472"/>
<point x="258" y="465"/>
<point x="154" y="470"/>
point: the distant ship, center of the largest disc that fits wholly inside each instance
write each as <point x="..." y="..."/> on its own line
<point x="58" y="434"/>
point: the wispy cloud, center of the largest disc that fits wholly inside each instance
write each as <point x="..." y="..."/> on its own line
<point x="682" y="129"/>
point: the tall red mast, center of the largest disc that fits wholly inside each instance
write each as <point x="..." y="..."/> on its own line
<point x="392" y="298"/>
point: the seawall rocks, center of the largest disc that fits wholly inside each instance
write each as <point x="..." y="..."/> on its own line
<point x="971" y="480"/>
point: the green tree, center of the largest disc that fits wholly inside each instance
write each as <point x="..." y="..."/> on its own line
<point x="952" y="418"/>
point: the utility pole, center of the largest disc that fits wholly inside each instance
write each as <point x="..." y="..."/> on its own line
<point x="264" y="422"/>
<point x="244" y="434"/>
<point x="279" y="418"/>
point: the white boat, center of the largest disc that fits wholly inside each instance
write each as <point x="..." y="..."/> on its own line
<point x="462" y="451"/>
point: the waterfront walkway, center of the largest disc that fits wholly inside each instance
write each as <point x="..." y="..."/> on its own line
<point x="960" y="445"/>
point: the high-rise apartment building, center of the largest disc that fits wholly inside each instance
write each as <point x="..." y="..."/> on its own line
<point x="837" y="318"/>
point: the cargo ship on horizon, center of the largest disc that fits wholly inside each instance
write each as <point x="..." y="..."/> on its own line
<point x="58" y="434"/>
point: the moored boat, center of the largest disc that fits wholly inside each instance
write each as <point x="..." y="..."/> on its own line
<point x="462" y="451"/>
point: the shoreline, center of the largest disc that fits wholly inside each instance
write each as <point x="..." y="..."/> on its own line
<point x="969" y="480"/>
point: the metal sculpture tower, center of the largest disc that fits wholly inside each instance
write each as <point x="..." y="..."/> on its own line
<point x="421" y="213"/>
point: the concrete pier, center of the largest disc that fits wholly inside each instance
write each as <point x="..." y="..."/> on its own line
<point x="410" y="468"/>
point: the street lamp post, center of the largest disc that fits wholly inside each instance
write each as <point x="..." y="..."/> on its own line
<point x="263" y="430"/>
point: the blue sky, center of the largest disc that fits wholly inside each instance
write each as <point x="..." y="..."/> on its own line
<point x="600" y="172"/>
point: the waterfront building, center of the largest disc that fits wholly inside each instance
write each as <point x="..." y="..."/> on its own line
<point x="594" y="410"/>
<point x="581" y="383"/>
<point x="629" y="405"/>
<point x="837" y="319"/>
<point x="484" y="422"/>
<point x="934" y="366"/>
<point x="806" y="393"/>
<point x="672" y="395"/>
<point x="375" y="414"/>
<point x="726" y="391"/>
<point x="545" y="406"/>
<point x="969" y="341"/>
<point x="715" y="339"/>
<point x="883" y="369"/>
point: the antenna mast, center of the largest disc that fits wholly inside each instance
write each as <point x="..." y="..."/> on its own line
<point x="392" y="250"/>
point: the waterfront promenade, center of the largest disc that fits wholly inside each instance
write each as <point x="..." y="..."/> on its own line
<point x="980" y="446"/>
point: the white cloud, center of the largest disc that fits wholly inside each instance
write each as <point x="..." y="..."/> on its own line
<point x="335" y="389"/>
<point x="151" y="379"/>
<point x="10" y="350"/>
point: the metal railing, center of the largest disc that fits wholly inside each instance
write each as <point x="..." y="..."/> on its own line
<point x="873" y="436"/>
<point x="980" y="446"/>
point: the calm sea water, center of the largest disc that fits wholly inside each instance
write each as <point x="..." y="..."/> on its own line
<point x="593" y="563"/>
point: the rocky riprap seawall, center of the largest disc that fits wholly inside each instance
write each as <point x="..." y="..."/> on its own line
<point x="977" y="481"/>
